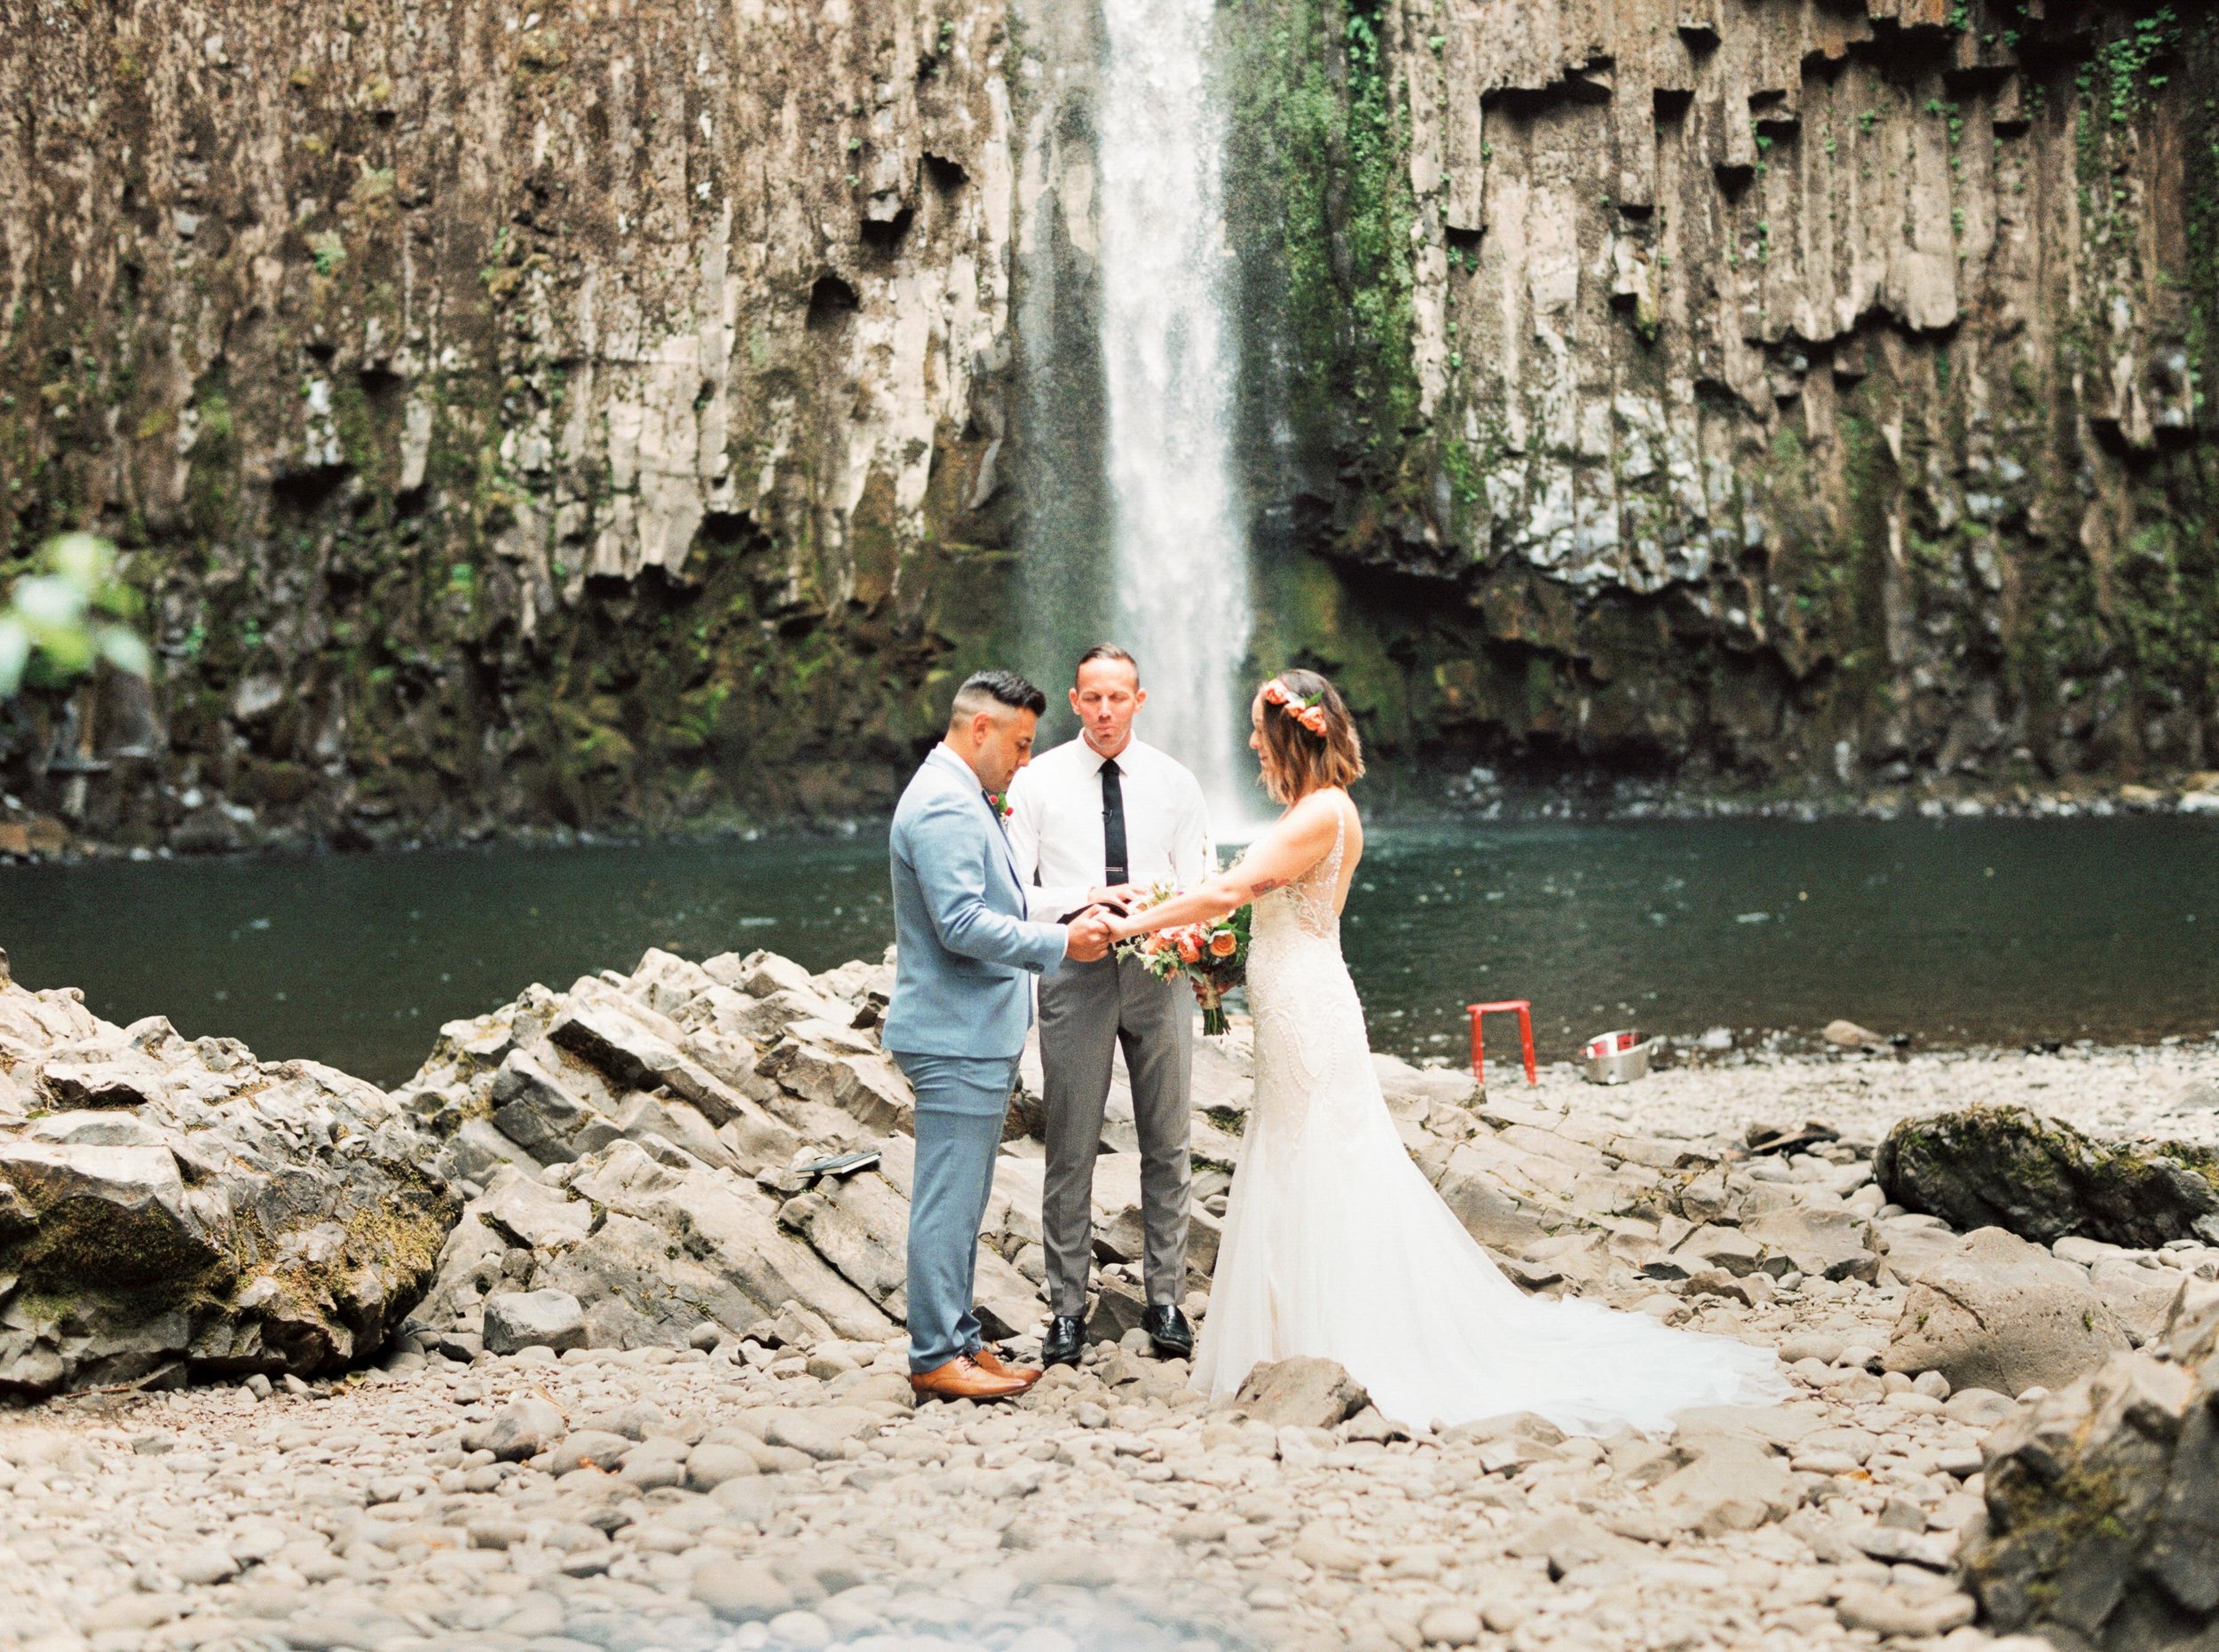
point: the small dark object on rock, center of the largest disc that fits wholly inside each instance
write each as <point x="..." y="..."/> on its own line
<point x="1763" y="1138"/>
<point x="839" y="1166"/>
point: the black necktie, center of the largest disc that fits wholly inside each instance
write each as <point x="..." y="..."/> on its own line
<point x="1113" y="852"/>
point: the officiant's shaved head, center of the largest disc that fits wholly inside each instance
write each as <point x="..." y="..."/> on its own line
<point x="1106" y="693"/>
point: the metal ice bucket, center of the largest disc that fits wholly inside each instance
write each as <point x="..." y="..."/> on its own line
<point x="1617" y="1057"/>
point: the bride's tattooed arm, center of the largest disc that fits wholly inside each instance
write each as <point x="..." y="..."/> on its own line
<point x="1297" y="841"/>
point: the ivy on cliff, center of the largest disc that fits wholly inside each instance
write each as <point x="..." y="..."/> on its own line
<point x="2142" y="612"/>
<point x="2201" y="276"/>
<point x="1377" y="215"/>
<point x="1319" y="196"/>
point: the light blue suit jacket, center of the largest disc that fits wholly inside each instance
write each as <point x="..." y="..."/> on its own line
<point x="965" y="951"/>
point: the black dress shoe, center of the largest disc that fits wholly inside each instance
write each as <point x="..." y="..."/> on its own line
<point x="1065" y="1337"/>
<point x="1168" y="1329"/>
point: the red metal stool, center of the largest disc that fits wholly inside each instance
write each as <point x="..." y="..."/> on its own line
<point x="1524" y="1007"/>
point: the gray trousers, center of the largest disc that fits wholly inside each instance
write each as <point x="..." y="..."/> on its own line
<point x="1086" y="1010"/>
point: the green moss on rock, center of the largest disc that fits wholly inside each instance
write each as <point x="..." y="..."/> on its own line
<point x="2008" y="1167"/>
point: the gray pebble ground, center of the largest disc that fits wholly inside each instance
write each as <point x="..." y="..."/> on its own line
<point x="792" y="1498"/>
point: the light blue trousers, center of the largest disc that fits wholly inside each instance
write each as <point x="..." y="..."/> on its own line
<point x="961" y="1100"/>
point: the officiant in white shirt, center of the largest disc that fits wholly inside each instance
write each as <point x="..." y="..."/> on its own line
<point x="1101" y="819"/>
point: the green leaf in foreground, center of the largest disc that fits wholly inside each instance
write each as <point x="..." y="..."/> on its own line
<point x="70" y="613"/>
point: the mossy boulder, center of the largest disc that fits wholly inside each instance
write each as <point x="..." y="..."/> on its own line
<point x="1990" y="1167"/>
<point x="2104" y="1503"/>
<point x="172" y="1207"/>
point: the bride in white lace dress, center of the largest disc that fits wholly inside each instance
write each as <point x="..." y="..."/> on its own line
<point x="1335" y="1245"/>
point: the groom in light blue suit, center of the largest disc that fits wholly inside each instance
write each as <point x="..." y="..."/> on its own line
<point x="964" y="959"/>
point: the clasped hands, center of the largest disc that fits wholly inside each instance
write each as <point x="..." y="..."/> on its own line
<point x="1094" y="929"/>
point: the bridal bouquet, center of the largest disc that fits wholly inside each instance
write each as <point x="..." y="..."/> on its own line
<point x="1213" y="956"/>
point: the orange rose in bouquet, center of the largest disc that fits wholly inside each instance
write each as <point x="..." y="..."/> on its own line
<point x="1212" y="956"/>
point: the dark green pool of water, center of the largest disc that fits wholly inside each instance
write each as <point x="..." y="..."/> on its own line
<point x="1965" y="931"/>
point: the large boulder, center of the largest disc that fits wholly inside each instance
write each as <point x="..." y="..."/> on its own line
<point x="2142" y="1295"/>
<point x="1911" y="1243"/>
<point x="638" y="1046"/>
<point x="633" y="1143"/>
<point x="182" y="1208"/>
<point x="2008" y="1167"/>
<point x="1999" y="1313"/>
<point x="523" y="1319"/>
<point x="649" y="1250"/>
<point x="1302" y="1392"/>
<point x="2104" y="1503"/>
<point x="536" y="1109"/>
<point x="672" y="1056"/>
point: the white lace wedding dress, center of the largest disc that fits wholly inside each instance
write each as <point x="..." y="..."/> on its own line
<point x="1335" y="1244"/>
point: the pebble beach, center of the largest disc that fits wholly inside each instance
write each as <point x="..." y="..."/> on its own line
<point x="780" y="1489"/>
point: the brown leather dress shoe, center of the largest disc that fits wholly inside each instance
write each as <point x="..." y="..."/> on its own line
<point x="990" y="1362"/>
<point x="963" y="1378"/>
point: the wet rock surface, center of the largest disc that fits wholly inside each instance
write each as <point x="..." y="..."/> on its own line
<point x="1622" y="270"/>
<point x="516" y="402"/>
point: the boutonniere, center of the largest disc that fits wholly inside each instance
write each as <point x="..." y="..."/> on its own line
<point x="1000" y="801"/>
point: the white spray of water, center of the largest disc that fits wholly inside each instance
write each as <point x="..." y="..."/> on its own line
<point x="1170" y="356"/>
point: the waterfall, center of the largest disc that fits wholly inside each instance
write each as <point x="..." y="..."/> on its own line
<point x="1169" y="357"/>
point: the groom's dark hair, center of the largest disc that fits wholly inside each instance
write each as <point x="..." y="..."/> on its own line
<point x="983" y="689"/>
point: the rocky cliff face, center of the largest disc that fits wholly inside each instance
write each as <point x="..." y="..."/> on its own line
<point x="1782" y="390"/>
<point x="515" y="414"/>
<point x="620" y="410"/>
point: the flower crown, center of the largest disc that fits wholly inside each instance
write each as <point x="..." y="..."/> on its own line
<point x="1303" y="709"/>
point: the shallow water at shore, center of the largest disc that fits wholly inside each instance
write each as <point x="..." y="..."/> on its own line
<point x="1957" y="932"/>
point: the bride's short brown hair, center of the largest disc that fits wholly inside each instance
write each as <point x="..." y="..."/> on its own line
<point x="1308" y="740"/>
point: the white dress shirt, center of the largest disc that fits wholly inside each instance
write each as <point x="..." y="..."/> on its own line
<point x="1055" y="825"/>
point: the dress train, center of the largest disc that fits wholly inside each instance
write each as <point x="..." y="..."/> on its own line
<point x="1335" y="1244"/>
